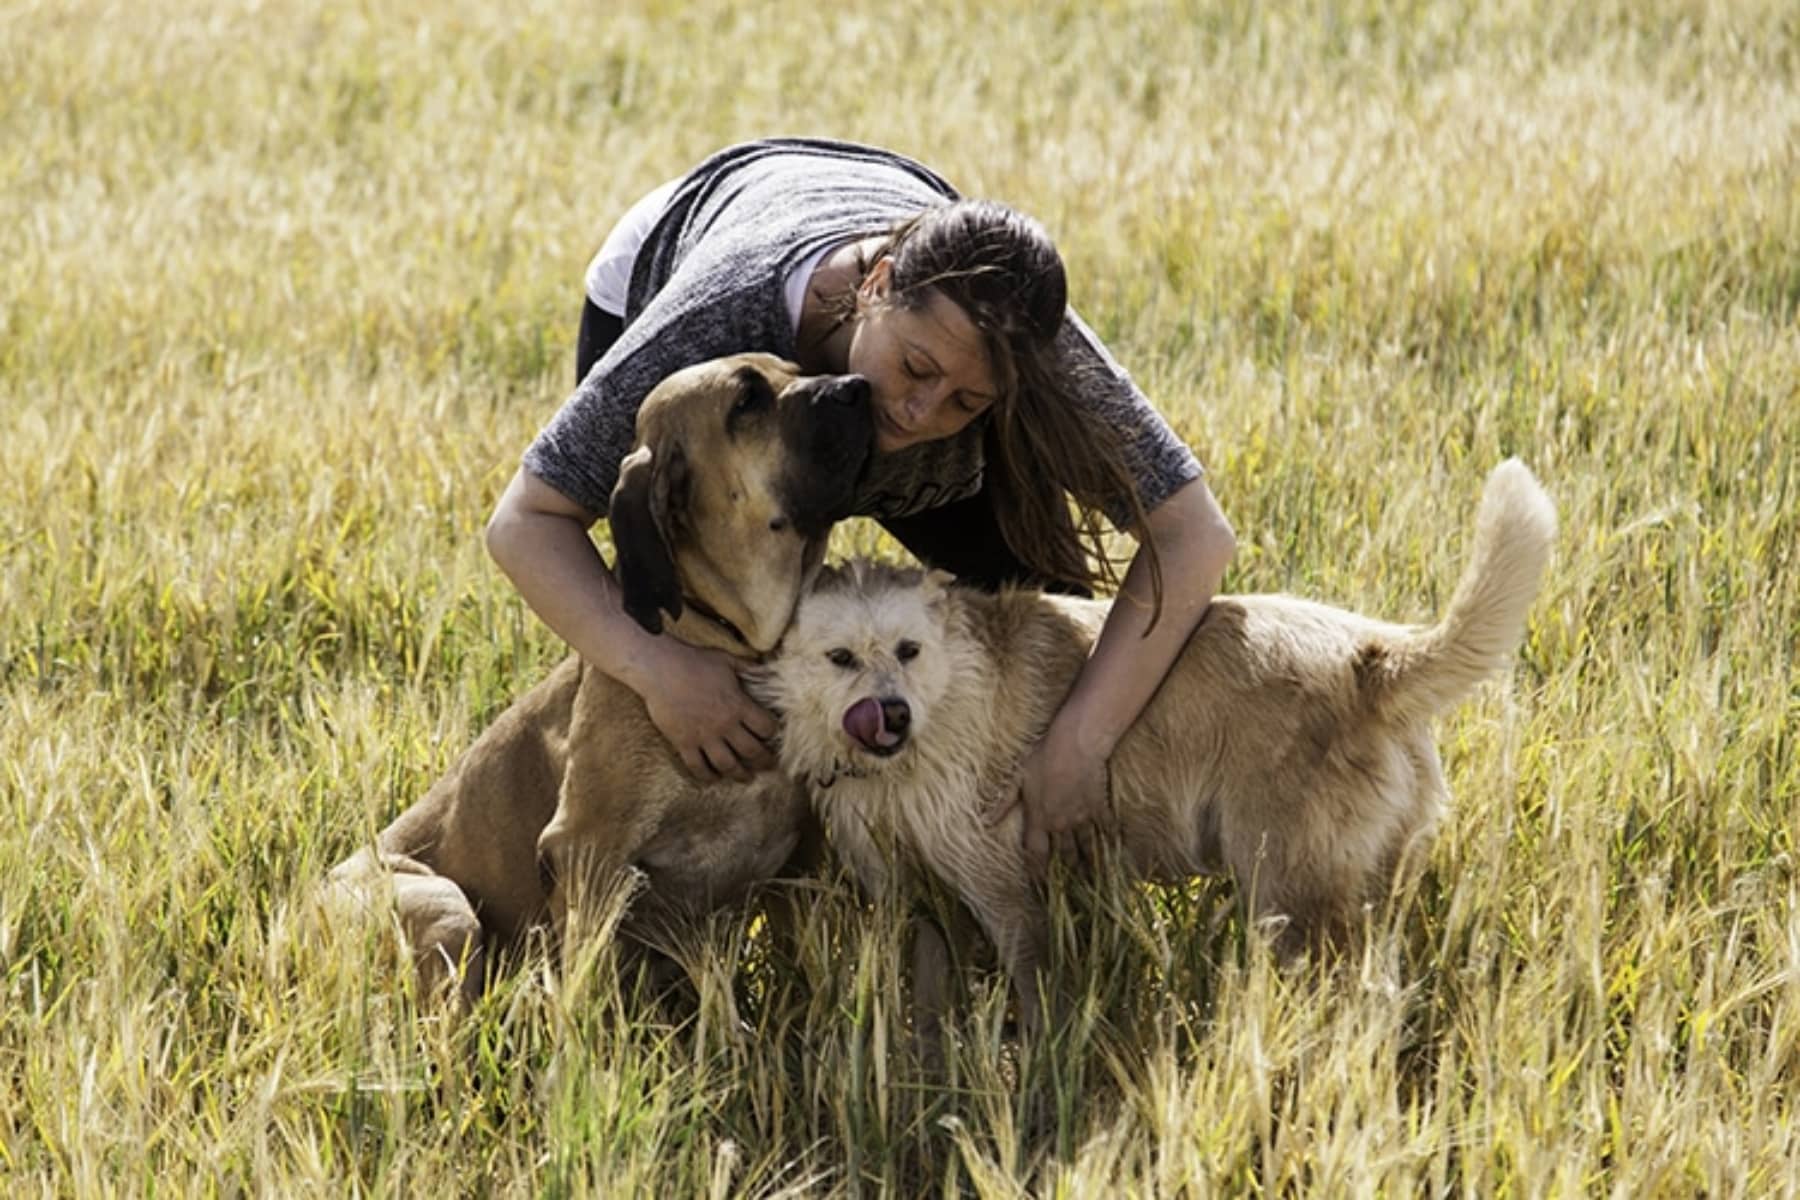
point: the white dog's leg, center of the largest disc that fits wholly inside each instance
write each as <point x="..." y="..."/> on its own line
<point x="931" y="993"/>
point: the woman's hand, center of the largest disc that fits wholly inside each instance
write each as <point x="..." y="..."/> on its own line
<point x="1062" y="787"/>
<point x="539" y="538"/>
<point x="696" y="702"/>
<point x="1064" y="777"/>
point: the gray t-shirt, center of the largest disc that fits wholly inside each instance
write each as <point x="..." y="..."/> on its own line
<point x="709" y="281"/>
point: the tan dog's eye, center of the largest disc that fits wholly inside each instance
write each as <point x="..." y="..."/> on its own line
<point x="841" y="658"/>
<point x="907" y="651"/>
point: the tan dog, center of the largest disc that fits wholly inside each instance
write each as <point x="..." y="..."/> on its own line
<point x="719" y="518"/>
<point x="1290" y="743"/>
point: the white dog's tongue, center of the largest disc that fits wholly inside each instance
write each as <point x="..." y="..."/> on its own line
<point x="863" y="722"/>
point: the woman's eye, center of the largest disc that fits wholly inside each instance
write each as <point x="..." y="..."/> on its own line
<point x="906" y="651"/>
<point x="913" y="371"/>
<point x="841" y="658"/>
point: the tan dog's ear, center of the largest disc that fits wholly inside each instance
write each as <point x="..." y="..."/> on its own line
<point x="645" y="506"/>
<point x="936" y="585"/>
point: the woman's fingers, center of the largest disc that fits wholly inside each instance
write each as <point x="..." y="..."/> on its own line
<point x="752" y="751"/>
<point x="757" y="721"/>
<point x="695" y="760"/>
<point x="723" y="762"/>
<point x="738" y="752"/>
<point x="717" y="730"/>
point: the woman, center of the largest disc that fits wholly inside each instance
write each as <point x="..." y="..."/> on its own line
<point x="994" y="406"/>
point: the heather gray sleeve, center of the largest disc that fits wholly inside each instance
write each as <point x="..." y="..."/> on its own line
<point x="1158" y="459"/>
<point x="578" y="453"/>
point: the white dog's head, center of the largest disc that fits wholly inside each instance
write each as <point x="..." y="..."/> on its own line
<point x="860" y="670"/>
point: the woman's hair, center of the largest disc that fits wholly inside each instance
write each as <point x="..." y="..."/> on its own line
<point x="1000" y="267"/>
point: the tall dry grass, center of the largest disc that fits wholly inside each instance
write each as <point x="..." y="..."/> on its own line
<point x="285" y="289"/>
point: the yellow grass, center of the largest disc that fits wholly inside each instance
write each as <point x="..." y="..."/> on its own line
<point x="285" y="289"/>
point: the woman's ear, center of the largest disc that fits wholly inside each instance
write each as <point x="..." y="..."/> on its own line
<point x="875" y="284"/>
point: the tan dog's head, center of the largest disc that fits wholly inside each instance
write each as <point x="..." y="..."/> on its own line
<point x="862" y="670"/>
<point x="722" y="509"/>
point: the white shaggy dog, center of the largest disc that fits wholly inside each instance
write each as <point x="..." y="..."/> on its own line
<point x="1290" y="743"/>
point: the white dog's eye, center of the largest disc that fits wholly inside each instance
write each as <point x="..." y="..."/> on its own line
<point x="841" y="658"/>
<point x="907" y="651"/>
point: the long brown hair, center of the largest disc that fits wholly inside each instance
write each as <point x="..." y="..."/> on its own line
<point x="1001" y="268"/>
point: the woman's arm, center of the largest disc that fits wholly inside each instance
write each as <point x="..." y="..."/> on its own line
<point x="1063" y="785"/>
<point x="539" y="539"/>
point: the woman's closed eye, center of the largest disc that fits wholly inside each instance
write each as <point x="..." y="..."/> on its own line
<point x="965" y="404"/>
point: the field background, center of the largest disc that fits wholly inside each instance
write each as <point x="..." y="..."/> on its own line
<point x="285" y="289"/>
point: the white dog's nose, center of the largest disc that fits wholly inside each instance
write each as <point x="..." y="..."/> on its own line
<point x="896" y="715"/>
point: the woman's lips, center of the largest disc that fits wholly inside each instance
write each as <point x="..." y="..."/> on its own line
<point x="894" y="431"/>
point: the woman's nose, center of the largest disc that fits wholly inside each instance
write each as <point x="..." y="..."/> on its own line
<point x="924" y="399"/>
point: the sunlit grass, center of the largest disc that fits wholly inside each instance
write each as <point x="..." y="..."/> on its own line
<point x="286" y="289"/>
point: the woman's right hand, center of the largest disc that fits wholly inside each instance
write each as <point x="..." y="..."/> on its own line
<point x="539" y="537"/>
<point x="697" y="703"/>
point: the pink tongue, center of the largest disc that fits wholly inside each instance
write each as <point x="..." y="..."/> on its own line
<point x="863" y="722"/>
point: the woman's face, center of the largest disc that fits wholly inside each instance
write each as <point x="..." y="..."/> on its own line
<point x="926" y="367"/>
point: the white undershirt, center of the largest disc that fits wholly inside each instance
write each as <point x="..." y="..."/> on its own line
<point x="609" y="274"/>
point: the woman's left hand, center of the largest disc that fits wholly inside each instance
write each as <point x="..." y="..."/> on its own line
<point x="1063" y="779"/>
<point x="1063" y="789"/>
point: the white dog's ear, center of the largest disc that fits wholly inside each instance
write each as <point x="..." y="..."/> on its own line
<point x="936" y="585"/>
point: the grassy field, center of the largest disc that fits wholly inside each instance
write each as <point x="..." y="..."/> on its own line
<point x="285" y="289"/>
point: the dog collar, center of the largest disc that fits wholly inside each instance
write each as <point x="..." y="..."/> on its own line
<point x="724" y="625"/>
<point x="840" y="770"/>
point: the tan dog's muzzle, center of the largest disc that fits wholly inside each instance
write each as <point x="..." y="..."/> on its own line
<point x="737" y="542"/>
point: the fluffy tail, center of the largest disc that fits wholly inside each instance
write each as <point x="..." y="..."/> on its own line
<point x="1425" y="675"/>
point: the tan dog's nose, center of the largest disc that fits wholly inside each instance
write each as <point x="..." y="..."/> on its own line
<point x="846" y="389"/>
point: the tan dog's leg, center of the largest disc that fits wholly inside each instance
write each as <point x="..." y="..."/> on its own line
<point x="437" y="921"/>
<point x="590" y="888"/>
<point x="614" y="795"/>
